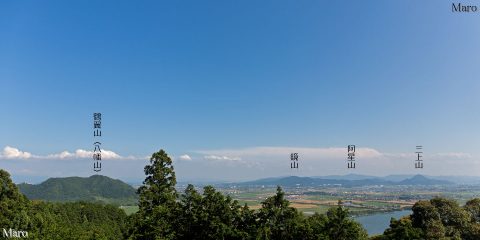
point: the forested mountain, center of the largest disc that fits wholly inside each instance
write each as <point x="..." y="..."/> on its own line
<point x="57" y="221"/>
<point x="95" y="188"/>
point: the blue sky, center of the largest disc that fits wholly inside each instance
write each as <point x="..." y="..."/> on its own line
<point x="220" y="81"/>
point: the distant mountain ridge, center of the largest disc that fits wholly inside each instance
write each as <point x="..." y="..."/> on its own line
<point x="96" y="188"/>
<point x="351" y="176"/>
<point x="422" y="180"/>
<point x="401" y="177"/>
<point x="357" y="181"/>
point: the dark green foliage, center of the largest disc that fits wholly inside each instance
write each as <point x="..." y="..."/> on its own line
<point x="341" y="227"/>
<point x="42" y="220"/>
<point x="157" y="204"/>
<point x="211" y="216"/>
<point x="79" y="220"/>
<point x="159" y="185"/>
<point x="277" y="220"/>
<point x="317" y="226"/>
<point x="453" y="218"/>
<point x="472" y="232"/>
<point x="439" y="218"/>
<point x="95" y="188"/>
<point x="473" y="208"/>
<point x="14" y="206"/>
<point x="190" y="214"/>
<point x="424" y="212"/>
<point x="247" y="223"/>
<point x="402" y="229"/>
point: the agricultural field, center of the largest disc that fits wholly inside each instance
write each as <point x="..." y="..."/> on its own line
<point x="359" y="200"/>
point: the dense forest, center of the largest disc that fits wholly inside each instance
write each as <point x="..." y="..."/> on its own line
<point x="45" y="220"/>
<point x="166" y="214"/>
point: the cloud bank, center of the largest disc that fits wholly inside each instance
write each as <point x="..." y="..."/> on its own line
<point x="12" y="153"/>
<point x="333" y="160"/>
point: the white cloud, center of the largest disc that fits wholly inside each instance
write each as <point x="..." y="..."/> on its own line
<point x="185" y="157"/>
<point x="15" y="153"/>
<point x="62" y="155"/>
<point x="332" y="160"/>
<point x="222" y="158"/>
<point x="309" y="153"/>
<point x="262" y="157"/>
<point x="80" y="153"/>
<point x="273" y="157"/>
<point x="232" y="161"/>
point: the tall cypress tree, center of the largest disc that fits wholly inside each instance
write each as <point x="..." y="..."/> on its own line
<point x="157" y="203"/>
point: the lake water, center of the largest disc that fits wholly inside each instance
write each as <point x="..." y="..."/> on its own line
<point x="377" y="223"/>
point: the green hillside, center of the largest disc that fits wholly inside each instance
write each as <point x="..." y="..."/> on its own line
<point x="95" y="188"/>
